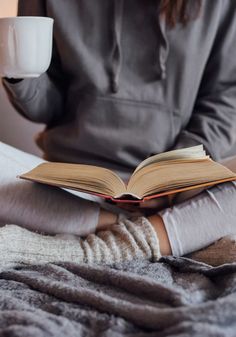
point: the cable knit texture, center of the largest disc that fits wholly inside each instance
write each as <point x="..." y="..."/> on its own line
<point x="127" y="240"/>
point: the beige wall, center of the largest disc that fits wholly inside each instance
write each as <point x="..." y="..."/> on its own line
<point x="14" y="129"/>
<point x="8" y="7"/>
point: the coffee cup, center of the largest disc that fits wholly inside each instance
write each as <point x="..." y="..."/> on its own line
<point x="25" y="46"/>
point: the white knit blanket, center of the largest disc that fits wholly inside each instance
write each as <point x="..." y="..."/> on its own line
<point x="172" y="297"/>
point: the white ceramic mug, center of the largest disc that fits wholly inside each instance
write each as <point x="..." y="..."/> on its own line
<point x="25" y="46"/>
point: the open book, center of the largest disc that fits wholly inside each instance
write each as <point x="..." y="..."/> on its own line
<point x="159" y="175"/>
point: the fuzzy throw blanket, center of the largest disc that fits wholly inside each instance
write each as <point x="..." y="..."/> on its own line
<point x="172" y="297"/>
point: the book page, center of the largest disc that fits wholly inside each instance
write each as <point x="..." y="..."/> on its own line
<point x="169" y="175"/>
<point x="81" y="177"/>
<point x="194" y="152"/>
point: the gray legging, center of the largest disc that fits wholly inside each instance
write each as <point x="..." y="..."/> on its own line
<point x="37" y="207"/>
<point x="190" y="225"/>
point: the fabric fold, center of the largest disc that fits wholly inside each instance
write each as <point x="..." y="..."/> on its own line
<point x="163" y="46"/>
<point x="116" y="62"/>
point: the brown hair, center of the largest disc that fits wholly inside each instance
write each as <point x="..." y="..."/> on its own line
<point x="181" y="11"/>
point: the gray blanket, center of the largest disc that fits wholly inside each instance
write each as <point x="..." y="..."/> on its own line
<point x="174" y="297"/>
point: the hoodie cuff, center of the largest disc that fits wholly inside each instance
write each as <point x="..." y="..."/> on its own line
<point x="24" y="90"/>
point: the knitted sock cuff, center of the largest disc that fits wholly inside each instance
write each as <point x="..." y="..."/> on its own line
<point x="144" y="233"/>
<point x="129" y="239"/>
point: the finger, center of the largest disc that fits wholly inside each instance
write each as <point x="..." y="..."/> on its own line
<point x="128" y="207"/>
<point x="186" y="195"/>
<point x="148" y="204"/>
<point x="154" y="203"/>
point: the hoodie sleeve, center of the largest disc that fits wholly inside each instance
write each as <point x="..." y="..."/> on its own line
<point x="38" y="99"/>
<point x="213" y="121"/>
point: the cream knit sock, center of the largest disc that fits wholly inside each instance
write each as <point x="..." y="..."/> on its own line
<point x="127" y="240"/>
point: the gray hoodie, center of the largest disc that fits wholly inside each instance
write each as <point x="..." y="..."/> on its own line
<point x="122" y="85"/>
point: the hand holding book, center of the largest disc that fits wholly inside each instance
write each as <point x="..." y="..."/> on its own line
<point x="152" y="206"/>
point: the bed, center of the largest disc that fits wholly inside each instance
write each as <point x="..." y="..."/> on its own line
<point x="188" y="296"/>
<point x="172" y="297"/>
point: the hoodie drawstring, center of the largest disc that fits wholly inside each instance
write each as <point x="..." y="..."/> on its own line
<point x="116" y="56"/>
<point x="163" y="46"/>
<point x="116" y="50"/>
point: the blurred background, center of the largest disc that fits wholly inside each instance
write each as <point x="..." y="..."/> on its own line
<point x="14" y="129"/>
